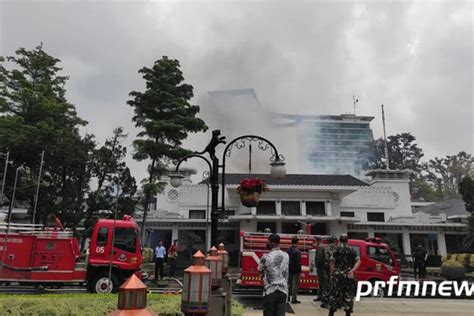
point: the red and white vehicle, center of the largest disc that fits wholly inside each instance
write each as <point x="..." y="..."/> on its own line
<point x="378" y="262"/>
<point x="33" y="255"/>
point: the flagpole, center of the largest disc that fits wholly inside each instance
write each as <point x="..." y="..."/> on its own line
<point x="387" y="163"/>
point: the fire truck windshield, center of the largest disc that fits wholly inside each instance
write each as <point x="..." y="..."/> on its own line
<point x="126" y="239"/>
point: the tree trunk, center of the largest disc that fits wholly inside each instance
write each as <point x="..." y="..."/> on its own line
<point x="147" y="201"/>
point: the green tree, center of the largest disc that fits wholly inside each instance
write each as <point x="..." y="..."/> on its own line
<point x="165" y="117"/>
<point x="110" y="170"/>
<point x="422" y="190"/>
<point x="466" y="189"/>
<point x="403" y="153"/>
<point x="445" y="174"/>
<point x="35" y="116"/>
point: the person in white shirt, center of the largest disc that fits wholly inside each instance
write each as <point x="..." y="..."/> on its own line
<point x="160" y="253"/>
<point x="274" y="266"/>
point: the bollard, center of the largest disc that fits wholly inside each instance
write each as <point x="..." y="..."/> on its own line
<point x="196" y="288"/>
<point x="132" y="299"/>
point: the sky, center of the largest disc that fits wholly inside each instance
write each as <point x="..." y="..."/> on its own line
<point x="301" y="57"/>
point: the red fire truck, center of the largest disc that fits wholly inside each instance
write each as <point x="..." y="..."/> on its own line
<point x="32" y="255"/>
<point x="378" y="262"/>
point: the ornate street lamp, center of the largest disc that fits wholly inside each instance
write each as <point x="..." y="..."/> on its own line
<point x="215" y="264"/>
<point x="277" y="168"/>
<point x="196" y="294"/>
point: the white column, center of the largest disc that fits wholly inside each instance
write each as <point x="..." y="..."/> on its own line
<point x="303" y="208"/>
<point x="406" y="243"/>
<point x="253" y="210"/>
<point x="442" y="250"/>
<point x="174" y="233"/>
<point x="278" y="208"/>
<point x="370" y="233"/>
<point x="328" y="208"/>
<point x="278" y="227"/>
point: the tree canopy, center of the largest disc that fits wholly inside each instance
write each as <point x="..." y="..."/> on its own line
<point x="36" y="116"/>
<point x="165" y="118"/>
<point x="445" y="174"/>
<point x="466" y="189"/>
<point x="403" y="152"/>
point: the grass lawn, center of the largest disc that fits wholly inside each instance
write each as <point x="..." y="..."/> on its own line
<point x="86" y="304"/>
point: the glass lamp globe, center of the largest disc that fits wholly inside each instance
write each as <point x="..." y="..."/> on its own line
<point x="277" y="169"/>
<point x="176" y="180"/>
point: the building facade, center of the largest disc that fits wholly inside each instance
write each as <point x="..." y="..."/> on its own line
<point x="333" y="204"/>
<point x="331" y="144"/>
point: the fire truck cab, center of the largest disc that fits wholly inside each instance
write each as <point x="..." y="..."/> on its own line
<point x="378" y="262"/>
<point x="31" y="254"/>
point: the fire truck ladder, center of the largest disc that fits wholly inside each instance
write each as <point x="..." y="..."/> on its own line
<point x="34" y="229"/>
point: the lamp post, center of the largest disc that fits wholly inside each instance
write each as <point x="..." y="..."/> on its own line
<point x="7" y="155"/>
<point x="9" y="217"/>
<point x="277" y="169"/>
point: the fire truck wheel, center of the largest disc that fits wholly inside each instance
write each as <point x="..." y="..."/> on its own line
<point x="102" y="284"/>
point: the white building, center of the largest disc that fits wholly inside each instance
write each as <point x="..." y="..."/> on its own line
<point x="334" y="204"/>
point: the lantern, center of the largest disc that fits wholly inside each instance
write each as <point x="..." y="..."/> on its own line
<point x="214" y="263"/>
<point x="196" y="287"/>
<point x="225" y="258"/>
<point x="132" y="298"/>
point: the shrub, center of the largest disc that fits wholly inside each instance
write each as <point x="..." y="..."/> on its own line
<point x="147" y="255"/>
<point x="453" y="270"/>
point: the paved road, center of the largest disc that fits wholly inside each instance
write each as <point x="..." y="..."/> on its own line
<point x="387" y="307"/>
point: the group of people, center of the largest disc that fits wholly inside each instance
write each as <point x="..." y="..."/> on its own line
<point x="160" y="257"/>
<point x="335" y="268"/>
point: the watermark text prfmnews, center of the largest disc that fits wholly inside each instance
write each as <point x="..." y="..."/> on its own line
<point x="414" y="288"/>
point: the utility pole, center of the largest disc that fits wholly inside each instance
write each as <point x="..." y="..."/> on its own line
<point x="37" y="188"/>
<point x="387" y="163"/>
<point x="4" y="178"/>
<point x="117" y="196"/>
<point x="9" y="218"/>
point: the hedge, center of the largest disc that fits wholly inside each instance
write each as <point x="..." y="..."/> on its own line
<point x="86" y="304"/>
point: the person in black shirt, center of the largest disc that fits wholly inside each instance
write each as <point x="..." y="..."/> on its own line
<point x="419" y="265"/>
<point x="294" y="271"/>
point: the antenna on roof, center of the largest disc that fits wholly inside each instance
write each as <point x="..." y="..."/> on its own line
<point x="354" y="102"/>
<point x="387" y="164"/>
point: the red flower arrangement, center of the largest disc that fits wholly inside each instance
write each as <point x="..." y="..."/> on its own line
<point x="252" y="185"/>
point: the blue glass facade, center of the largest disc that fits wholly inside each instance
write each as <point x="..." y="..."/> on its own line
<point x="333" y="144"/>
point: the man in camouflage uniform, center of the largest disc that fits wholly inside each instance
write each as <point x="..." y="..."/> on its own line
<point x="323" y="254"/>
<point x="343" y="263"/>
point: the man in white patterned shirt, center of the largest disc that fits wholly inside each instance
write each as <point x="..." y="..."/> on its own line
<point x="274" y="266"/>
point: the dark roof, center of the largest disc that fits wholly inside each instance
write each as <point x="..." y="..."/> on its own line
<point x="449" y="207"/>
<point x="297" y="179"/>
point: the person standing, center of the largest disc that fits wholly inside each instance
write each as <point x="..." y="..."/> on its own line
<point x="160" y="253"/>
<point x="322" y="268"/>
<point x="173" y="256"/>
<point x="419" y="265"/>
<point x="342" y="265"/>
<point x="294" y="255"/>
<point x="274" y="267"/>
